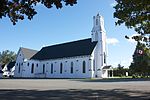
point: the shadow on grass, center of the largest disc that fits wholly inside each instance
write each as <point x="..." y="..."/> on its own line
<point x="73" y="94"/>
<point x="113" y="80"/>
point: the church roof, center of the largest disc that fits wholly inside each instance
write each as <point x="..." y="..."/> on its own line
<point x="11" y="65"/>
<point x="70" y="49"/>
<point x="107" y="67"/>
<point x="28" y="53"/>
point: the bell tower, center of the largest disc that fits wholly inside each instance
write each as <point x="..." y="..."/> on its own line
<point x="99" y="35"/>
<point x="98" y="28"/>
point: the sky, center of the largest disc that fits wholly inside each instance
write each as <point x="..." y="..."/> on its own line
<point x="55" y="26"/>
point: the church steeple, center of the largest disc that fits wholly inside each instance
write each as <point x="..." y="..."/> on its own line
<point x="99" y="35"/>
<point x="98" y="26"/>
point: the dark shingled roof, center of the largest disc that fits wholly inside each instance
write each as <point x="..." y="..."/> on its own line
<point x="107" y="67"/>
<point x="70" y="49"/>
<point x="28" y="53"/>
<point x="11" y="65"/>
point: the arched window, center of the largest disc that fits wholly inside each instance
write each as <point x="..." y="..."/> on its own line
<point x="61" y="68"/>
<point x="36" y="65"/>
<point x="93" y="65"/>
<point x="51" y="68"/>
<point x="43" y="68"/>
<point x="96" y="36"/>
<point x="28" y="64"/>
<point x="104" y="58"/>
<point x="19" y="68"/>
<point x="96" y="21"/>
<point x="71" y="71"/>
<point x="101" y="62"/>
<point x="32" y="68"/>
<point x="84" y="67"/>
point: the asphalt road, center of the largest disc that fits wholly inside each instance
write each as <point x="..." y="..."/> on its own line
<point x="74" y="89"/>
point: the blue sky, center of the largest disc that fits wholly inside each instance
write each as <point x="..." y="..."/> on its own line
<point x="52" y="26"/>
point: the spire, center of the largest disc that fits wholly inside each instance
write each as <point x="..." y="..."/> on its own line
<point x="98" y="14"/>
<point x="98" y="26"/>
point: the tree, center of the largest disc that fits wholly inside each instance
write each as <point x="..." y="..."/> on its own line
<point x="141" y="60"/>
<point x="7" y="56"/>
<point x="120" y="70"/>
<point x="18" y="9"/>
<point x="134" y="14"/>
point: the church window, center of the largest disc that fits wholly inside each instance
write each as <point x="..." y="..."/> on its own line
<point x="84" y="67"/>
<point x="32" y="68"/>
<point x="102" y="61"/>
<point x="71" y="67"/>
<point x="36" y="65"/>
<point x="28" y="64"/>
<point x="61" y="68"/>
<point x="43" y="68"/>
<point x="104" y="58"/>
<point x="17" y="64"/>
<point x="19" y="68"/>
<point x="93" y="65"/>
<point x="96" y="21"/>
<point x="96" y="36"/>
<point x="51" y="68"/>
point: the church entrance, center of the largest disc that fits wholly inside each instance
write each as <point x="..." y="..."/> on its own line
<point x="110" y="73"/>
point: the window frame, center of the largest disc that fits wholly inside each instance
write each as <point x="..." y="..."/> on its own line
<point x="32" y="68"/>
<point x="83" y="67"/>
<point x="61" y="68"/>
<point x="71" y="68"/>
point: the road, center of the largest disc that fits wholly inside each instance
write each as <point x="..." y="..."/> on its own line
<point x="74" y="89"/>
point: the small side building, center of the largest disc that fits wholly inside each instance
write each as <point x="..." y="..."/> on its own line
<point x="1" y="72"/>
<point x="107" y="71"/>
<point x="8" y="69"/>
<point x="11" y="68"/>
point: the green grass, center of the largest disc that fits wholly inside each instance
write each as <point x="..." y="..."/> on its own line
<point x="122" y="77"/>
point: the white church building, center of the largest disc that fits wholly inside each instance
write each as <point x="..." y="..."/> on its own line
<point x="77" y="59"/>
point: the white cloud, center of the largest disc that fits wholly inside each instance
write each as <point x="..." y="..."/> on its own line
<point x="113" y="4"/>
<point x="112" y="41"/>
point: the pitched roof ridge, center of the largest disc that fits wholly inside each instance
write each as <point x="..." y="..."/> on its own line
<point x="68" y="49"/>
<point x="66" y="43"/>
<point x="28" y="53"/>
<point x="28" y="49"/>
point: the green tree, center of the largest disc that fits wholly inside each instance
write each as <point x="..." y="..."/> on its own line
<point x="7" y="56"/>
<point x="120" y="70"/>
<point x="141" y="59"/>
<point x="134" y="14"/>
<point x="18" y="9"/>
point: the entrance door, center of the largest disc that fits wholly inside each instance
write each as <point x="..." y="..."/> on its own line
<point x="109" y="73"/>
